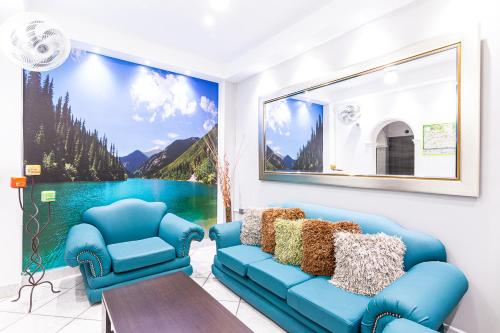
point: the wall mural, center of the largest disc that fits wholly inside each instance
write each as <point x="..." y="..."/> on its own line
<point x="105" y="129"/>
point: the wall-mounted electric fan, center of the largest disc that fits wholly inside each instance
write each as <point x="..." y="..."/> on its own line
<point x="349" y="114"/>
<point x="34" y="42"/>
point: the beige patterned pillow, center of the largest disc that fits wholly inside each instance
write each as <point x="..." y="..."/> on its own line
<point x="366" y="264"/>
<point x="251" y="227"/>
<point x="288" y="236"/>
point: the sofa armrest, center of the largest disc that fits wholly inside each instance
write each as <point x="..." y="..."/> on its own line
<point x="226" y="234"/>
<point x="179" y="233"/>
<point x="426" y="294"/>
<point x="406" y="326"/>
<point x="85" y="245"/>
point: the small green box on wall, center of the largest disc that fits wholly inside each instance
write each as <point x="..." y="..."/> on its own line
<point x="48" y="196"/>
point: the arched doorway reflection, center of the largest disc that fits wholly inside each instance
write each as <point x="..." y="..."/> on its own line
<point x="396" y="150"/>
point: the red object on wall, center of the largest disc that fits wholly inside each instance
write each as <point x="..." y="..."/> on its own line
<point x="18" y="182"/>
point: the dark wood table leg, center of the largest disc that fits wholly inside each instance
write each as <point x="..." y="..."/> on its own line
<point x="106" y="322"/>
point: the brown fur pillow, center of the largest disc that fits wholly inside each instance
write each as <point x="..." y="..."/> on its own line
<point x="268" y="217"/>
<point x="318" y="245"/>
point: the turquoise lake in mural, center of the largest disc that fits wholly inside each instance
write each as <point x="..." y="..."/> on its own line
<point x="192" y="201"/>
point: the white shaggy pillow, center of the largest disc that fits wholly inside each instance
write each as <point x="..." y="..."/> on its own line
<point x="366" y="264"/>
<point x="251" y="227"/>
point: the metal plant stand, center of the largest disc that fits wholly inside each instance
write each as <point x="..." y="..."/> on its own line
<point x="34" y="228"/>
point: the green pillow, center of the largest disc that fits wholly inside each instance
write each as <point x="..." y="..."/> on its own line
<point x="288" y="234"/>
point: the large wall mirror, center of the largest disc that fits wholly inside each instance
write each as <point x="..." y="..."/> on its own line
<point x="397" y="122"/>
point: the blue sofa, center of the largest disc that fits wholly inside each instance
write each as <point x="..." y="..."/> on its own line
<point x="300" y="302"/>
<point x="129" y="241"/>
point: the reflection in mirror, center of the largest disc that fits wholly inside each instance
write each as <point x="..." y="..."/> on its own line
<point x="395" y="120"/>
<point x="294" y="135"/>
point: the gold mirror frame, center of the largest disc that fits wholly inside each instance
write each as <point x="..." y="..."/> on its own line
<point x="457" y="185"/>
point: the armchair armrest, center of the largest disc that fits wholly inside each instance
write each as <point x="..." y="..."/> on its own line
<point x="179" y="233"/>
<point x="226" y="235"/>
<point x="406" y="326"/>
<point x="85" y="245"/>
<point x="426" y="294"/>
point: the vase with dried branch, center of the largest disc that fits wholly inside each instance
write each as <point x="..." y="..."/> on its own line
<point x="224" y="175"/>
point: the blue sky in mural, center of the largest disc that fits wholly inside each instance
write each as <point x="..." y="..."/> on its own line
<point x="289" y="124"/>
<point x="150" y="107"/>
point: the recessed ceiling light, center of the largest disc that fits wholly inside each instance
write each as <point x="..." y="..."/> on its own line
<point x="96" y="50"/>
<point x="187" y="72"/>
<point x="147" y="62"/>
<point x="219" y="5"/>
<point x="208" y="21"/>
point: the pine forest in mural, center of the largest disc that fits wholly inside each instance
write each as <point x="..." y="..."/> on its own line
<point x="105" y="129"/>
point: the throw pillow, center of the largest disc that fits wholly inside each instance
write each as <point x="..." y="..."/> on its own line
<point x="366" y="264"/>
<point x="318" y="246"/>
<point x="250" y="227"/>
<point x="288" y="235"/>
<point x="268" y="217"/>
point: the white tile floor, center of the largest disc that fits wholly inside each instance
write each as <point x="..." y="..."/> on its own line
<point x="69" y="311"/>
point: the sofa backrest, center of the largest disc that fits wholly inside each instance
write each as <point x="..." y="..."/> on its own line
<point x="420" y="247"/>
<point x="126" y="220"/>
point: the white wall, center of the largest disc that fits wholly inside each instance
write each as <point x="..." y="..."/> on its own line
<point x="11" y="162"/>
<point x="469" y="227"/>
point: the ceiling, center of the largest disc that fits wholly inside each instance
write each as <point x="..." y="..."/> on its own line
<point x="231" y="43"/>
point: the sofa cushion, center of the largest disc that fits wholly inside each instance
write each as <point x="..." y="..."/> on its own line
<point x="251" y="227"/>
<point x="333" y="308"/>
<point x="288" y="235"/>
<point x="127" y="256"/>
<point x="238" y="257"/>
<point x="276" y="277"/>
<point x="366" y="264"/>
<point x="267" y="226"/>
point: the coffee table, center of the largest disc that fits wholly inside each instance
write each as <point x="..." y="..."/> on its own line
<point x="172" y="303"/>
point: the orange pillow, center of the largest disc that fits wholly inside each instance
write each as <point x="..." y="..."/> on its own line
<point x="268" y="217"/>
<point x="318" y="246"/>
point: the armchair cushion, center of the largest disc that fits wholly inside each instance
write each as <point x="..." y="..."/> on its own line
<point x="127" y="256"/>
<point x="179" y="233"/>
<point x="85" y="245"/>
<point x="335" y="309"/>
<point x="426" y="294"/>
<point x="126" y="220"/>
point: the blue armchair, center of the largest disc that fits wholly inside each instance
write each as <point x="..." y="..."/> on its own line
<point x="129" y="241"/>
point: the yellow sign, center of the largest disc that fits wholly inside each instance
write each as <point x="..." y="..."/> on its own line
<point x="33" y="170"/>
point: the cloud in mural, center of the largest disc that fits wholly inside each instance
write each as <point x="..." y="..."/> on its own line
<point x="208" y="106"/>
<point x="167" y="95"/>
<point x="137" y="118"/>
<point x="279" y="118"/>
<point x="160" y="142"/>
<point x="153" y="117"/>
<point x="208" y="124"/>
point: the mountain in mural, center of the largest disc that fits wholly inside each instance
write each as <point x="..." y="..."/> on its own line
<point x="196" y="163"/>
<point x="288" y="162"/>
<point x="273" y="161"/>
<point x="310" y="156"/>
<point x="133" y="161"/>
<point x="61" y="143"/>
<point x="152" y="152"/>
<point x="158" y="161"/>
